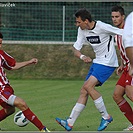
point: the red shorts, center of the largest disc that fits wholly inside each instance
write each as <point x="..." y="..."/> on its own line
<point x="5" y="92"/>
<point x="125" y="78"/>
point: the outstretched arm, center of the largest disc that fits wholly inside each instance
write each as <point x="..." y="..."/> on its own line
<point x="25" y="63"/>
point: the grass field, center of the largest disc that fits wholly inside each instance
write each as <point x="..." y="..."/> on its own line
<point x="49" y="99"/>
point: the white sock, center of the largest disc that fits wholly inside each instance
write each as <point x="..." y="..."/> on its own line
<point x="101" y="107"/>
<point x="77" y="109"/>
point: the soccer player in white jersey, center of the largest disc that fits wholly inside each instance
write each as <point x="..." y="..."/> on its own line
<point x="8" y="100"/>
<point x="101" y="37"/>
<point x="124" y="85"/>
<point x="128" y="40"/>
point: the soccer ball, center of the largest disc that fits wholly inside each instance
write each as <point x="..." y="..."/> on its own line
<point x="20" y="119"/>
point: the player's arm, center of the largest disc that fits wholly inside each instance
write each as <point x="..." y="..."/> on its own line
<point x="25" y="63"/>
<point x="119" y="70"/>
<point x="107" y="28"/>
<point x="78" y="54"/>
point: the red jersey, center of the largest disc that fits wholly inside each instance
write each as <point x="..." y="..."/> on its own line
<point x="7" y="62"/>
<point x="122" y="49"/>
<point x="125" y="79"/>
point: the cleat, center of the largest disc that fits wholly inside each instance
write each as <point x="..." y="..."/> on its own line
<point x="45" y="130"/>
<point x="64" y="124"/>
<point x="129" y="128"/>
<point x="104" y="123"/>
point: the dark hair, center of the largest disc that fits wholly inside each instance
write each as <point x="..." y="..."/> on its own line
<point x="1" y="36"/>
<point x="118" y="9"/>
<point x="84" y="14"/>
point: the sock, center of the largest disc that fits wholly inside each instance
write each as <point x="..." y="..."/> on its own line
<point x="3" y="114"/>
<point x="77" y="109"/>
<point x="101" y="107"/>
<point x="126" y="110"/>
<point x="33" y="118"/>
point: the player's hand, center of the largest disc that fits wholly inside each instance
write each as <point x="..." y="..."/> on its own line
<point x="119" y="70"/>
<point x="33" y="61"/>
<point x="86" y="59"/>
<point x="131" y="70"/>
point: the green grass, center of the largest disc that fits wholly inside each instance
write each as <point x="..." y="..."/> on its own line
<point x="49" y="99"/>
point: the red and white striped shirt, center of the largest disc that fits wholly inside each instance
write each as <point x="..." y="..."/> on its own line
<point x="7" y="62"/>
<point x="122" y="49"/>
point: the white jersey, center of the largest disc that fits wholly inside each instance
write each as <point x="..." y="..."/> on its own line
<point x="101" y="38"/>
<point x="128" y="31"/>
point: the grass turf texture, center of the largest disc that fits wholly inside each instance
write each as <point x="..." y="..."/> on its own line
<point x="49" y="99"/>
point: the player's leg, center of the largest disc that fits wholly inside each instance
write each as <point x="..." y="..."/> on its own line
<point x="21" y="104"/>
<point x="5" y="112"/>
<point x="129" y="92"/>
<point x="122" y="103"/>
<point x="5" y="94"/>
<point x="98" y="101"/>
<point x="80" y="105"/>
<point x="77" y="109"/>
<point x="97" y="78"/>
<point x="128" y="110"/>
<point x="124" y="85"/>
<point x="118" y="94"/>
<point x="88" y="88"/>
<point x="120" y="89"/>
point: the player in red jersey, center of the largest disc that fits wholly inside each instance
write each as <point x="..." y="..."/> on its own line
<point x="8" y="100"/>
<point x="125" y="82"/>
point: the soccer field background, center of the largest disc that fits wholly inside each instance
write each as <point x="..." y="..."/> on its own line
<point x="54" y="61"/>
<point x="49" y="99"/>
<point x="52" y="87"/>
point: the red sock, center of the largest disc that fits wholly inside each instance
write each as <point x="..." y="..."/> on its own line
<point x="3" y="114"/>
<point x="126" y="110"/>
<point x="33" y="118"/>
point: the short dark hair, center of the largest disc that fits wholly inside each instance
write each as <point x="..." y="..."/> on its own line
<point x="118" y="9"/>
<point x="1" y="36"/>
<point x="84" y="14"/>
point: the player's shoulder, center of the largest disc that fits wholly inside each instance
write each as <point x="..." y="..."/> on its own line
<point x="81" y="31"/>
<point x="101" y="22"/>
<point x="100" y="25"/>
<point x="131" y="14"/>
<point x="130" y="17"/>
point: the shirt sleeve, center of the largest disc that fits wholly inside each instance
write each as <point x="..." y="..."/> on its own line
<point x="7" y="61"/>
<point x="128" y="31"/>
<point x="80" y="40"/>
<point x="109" y="29"/>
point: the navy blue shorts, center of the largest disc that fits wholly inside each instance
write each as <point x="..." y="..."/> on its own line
<point x="100" y="72"/>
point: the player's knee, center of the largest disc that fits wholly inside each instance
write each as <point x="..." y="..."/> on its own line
<point x="130" y="97"/>
<point x="88" y="89"/>
<point x="83" y="92"/>
<point x="21" y="104"/>
<point x="115" y="97"/>
<point x="118" y="97"/>
<point x="85" y="87"/>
